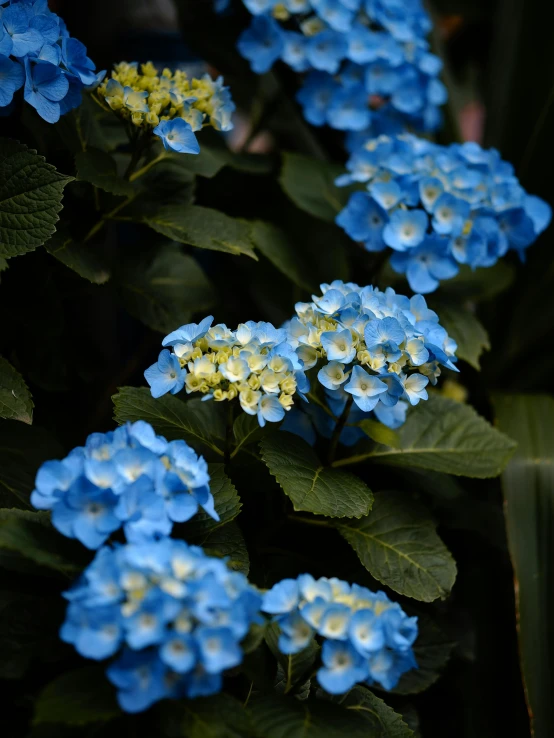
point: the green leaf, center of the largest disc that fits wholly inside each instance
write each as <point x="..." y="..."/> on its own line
<point x="479" y="284"/>
<point x="528" y="485"/>
<point x="77" y="698"/>
<point x="432" y="651"/>
<point x="31" y="535"/>
<point x="285" y="717"/>
<point x="380" y="433"/>
<point x="82" y="258"/>
<point x="382" y="721"/>
<point x="226" y="499"/>
<point x="465" y="328"/>
<point x="272" y="242"/>
<point x="398" y="544"/>
<point x="445" y="436"/>
<point x="246" y="430"/>
<point x="220" y="716"/>
<point x="311" y="486"/>
<point x="99" y="168"/>
<point x="193" y="421"/>
<point x="16" y="402"/>
<point x="30" y="198"/>
<point x="23" y="448"/>
<point x="3" y="264"/>
<point x="310" y="184"/>
<point x="204" y="228"/>
<point x="228" y="541"/>
<point x="164" y="287"/>
<point x="296" y="667"/>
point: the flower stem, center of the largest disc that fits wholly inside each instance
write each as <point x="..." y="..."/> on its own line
<point x="309" y="521"/>
<point x="341" y="422"/>
<point x="147" y="167"/>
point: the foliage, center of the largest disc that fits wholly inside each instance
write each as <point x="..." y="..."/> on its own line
<point x="129" y="228"/>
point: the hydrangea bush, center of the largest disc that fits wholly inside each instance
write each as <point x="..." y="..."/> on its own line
<point x="248" y="471"/>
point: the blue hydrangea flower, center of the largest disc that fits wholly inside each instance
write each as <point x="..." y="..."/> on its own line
<point x="36" y="48"/>
<point x="377" y="350"/>
<point x="128" y="478"/>
<point x="368" y="64"/>
<point x="366" y="637"/>
<point x="438" y="207"/>
<point x="173" y="617"/>
<point x="254" y="363"/>
<point x="177" y="135"/>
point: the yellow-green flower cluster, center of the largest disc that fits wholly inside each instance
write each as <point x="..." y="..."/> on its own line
<point x="145" y="97"/>
<point x="254" y="364"/>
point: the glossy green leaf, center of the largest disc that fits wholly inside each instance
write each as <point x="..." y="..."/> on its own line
<point x="83" y="258"/>
<point x="77" y="698"/>
<point x="219" y="716"/>
<point x="380" y="433"/>
<point x="382" y="721"/>
<point x="16" y="402"/>
<point x="193" y="421"/>
<point x="164" y="287"/>
<point x="286" y="717"/>
<point x="31" y="194"/>
<point x="310" y="485"/>
<point x="528" y="484"/>
<point x="398" y="544"/>
<point x="432" y="650"/>
<point x="227" y="541"/>
<point x="204" y="228"/>
<point x="274" y="245"/>
<point x="226" y="499"/>
<point x="310" y="184"/>
<point x="465" y="328"/>
<point x="100" y="169"/>
<point x="246" y="430"/>
<point x="31" y="535"/>
<point x="445" y="436"/>
<point x="23" y="448"/>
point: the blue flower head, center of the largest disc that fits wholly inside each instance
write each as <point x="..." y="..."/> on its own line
<point x="128" y="478"/>
<point x="376" y="350"/>
<point x="438" y="207"/>
<point x="254" y="363"/>
<point x="173" y="617"/>
<point x="36" y="49"/>
<point x="366" y="637"/>
<point x="364" y="70"/>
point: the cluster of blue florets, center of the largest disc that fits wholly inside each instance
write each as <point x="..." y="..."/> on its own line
<point x="367" y="62"/>
<point x="438" y="207"/>
<point x="174" y="616"/>
<point x="378" y="348"/>
<point x="254" y="363"/>
<point x="128" y="478"/>
<point x="37" y="53"/>
<point x="366" y="637"/>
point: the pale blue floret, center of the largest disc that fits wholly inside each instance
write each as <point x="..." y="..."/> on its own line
<point x="177" y="135"/>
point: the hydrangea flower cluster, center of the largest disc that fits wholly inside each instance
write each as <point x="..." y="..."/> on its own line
<point x="366" y="637"/>
<point x="254" y="363"/>
<point x="438" y="207"/>
<point x="368" y="62"/>
<point x="128" y="478"/>
<point x="175" y="617"/>
<point x="167" y="103"/>
<point x="37" y="53"/>
<point x="379" y="348"/>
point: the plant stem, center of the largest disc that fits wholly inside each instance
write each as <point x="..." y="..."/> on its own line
<point x="107" y="216"/>
<point x="147" y="167"/>
<point x="228" y="434"/>
<point x="309" y="521"/>
<point x="135" y="158"/>
<point x="341" y="422"/>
